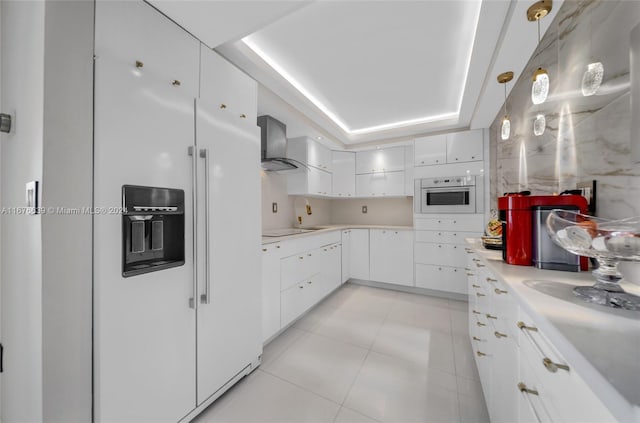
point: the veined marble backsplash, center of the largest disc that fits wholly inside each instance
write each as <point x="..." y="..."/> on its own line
<point x="586" y="138"/>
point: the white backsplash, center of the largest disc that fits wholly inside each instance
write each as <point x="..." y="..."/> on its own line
<point x="586" y="138"/>
<point x="380" y="211"/>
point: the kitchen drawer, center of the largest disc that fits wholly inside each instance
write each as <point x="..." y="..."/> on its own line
<point x="445" y="237"/>
<point x="533" y="404"/>
<point x="298" y="267"/>
<point x="300" y="297"/>
<point x="442" y="278"/>
<point x="461" y="222"/>
<point x="565" y="391"/>
<point x="440" y="254"/>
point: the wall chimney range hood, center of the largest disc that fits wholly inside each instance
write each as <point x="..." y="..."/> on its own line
<point x="273" y="137"/>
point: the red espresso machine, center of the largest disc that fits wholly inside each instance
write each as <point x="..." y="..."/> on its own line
<point x="517" y="213"/>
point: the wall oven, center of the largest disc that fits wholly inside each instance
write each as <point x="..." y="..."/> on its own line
<point x="454" y="194"/>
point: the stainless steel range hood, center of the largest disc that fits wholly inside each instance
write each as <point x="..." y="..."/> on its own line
<point x="273" y="136"/>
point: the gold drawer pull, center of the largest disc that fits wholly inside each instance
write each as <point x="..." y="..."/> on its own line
<point x="475" y="312"/>
<point x="469" y="274"/>
<point x="479" y="265"/>
<point x="523" y="388"/>
<point x="522" y="325"/>
<point x="491" y="317"/>
<point x="480" y="354"/>
<point x="480" y="324"/>
<point x="264" y="249"/>
<point x="480" y="295"/>
<point x="175" y="83"/>
<point x="491" y="280"/>
<point x="475" y="338"/>
<point x="500" y="291"/>
<point x="475" y="259"/>
<point x="499" y="335"/>
<point x="476" y="286"/>
<point x="553" y="367"/>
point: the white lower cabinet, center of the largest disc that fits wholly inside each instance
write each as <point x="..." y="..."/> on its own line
<point x="346" y="255"/>
<point x="359" y="254"/>
<point x="442" y="278"/>
<point x="270" y="289"/>
<point x="391" y="256"/>
<point x="523" y="377"/>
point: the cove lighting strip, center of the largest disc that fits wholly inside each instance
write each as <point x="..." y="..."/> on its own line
<point x="331" y="115"/>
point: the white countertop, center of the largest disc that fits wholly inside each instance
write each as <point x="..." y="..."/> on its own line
<point x="329" y="228"/>
<point x="602" y="344"/>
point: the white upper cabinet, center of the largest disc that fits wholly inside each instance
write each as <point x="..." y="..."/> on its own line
<point x="310" y="181"/>
<point x="344" y="174"/>
<point x="464" y="146"/>
<point x="456" y="147"/>
<point x="228" y="88"/>
<point x="310" y="152"/>
<point x="380" y="184"/>
<point x="380" y="160"/>
<point x="430" y="150"/>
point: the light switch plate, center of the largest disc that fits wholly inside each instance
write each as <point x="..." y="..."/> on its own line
<point x="364" y="209"/>
<point x="32" y="197"/>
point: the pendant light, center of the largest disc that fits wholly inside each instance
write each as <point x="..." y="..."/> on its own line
<point x="540" y="86"/>
<point x="539" y="125"/>
<point x="505" y="130"/>
<point x="592" y="77"/>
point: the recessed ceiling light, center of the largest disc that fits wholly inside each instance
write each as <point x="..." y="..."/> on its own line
<point x="318" y="137"/>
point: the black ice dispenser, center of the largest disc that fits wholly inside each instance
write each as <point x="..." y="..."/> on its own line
<point x="152" y="229"/>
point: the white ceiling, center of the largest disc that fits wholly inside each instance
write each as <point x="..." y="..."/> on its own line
<point x="369" y="71"/>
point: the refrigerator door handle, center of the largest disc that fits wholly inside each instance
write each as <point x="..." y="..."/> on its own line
<point x="194" y="176"/>
<point x="206" y="298"/>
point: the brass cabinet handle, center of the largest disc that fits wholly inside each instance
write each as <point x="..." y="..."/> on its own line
<point x="475" y="259"/>
<point x="476" y="286"/>
<point x="175" y="83"/>
<point x="480" y="324"/>
<point x="469" y="274"/>
<point x="264" y="249"/>
<point x="139" y="64"/>
<point x="301" y="258"/>
<point x="309" y="255"/>
<point x="468" y="250"/>
<point x="466" y="268"/>
<point x="277" y="246"/>
<point x="480" y="354"/>
<point x="475" y="338"/>
<point x="491" y="280"/>
<point x="500" y="291"/>
<point x="480" y="295"/>
<point x="243" y="116"/>
<point x="522" y="325"/>
<point x="523" y="388"/>
<point x="475" y="312"/>
<point x="479" y="265"/>
<point x="553" y="367"/>
<point x="499" y="335"/>
<point x="223" y="106"/>
<point x="491" y="317"/>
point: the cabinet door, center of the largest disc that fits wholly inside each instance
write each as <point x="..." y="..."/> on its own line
<point x="359" y="254"/>
<point x="380" y="160"/>
<point x="408" y="171"/>
<point x="383" y="184"/>
<point x="346" y="251"/>
<point x="440" y="254"/>
<point x="464" y="146"/>
<point x="391" y="258"/>
<point x="144" y="330"/>
<point x="318" y="155"/>
<point x="344" y="174"/>
<point x="225" y="86"/>
<point x="430" y="150"/>
<point x="319" y="182"/>
<point x="293" y="302"/>
<point x="441" y="278"/>
<point x="270" y="290"/>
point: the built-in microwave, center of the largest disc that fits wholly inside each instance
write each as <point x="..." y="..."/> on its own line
<point x="453" y="194"/>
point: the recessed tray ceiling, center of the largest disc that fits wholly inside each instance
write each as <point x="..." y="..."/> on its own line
<point x="372" y="66"/>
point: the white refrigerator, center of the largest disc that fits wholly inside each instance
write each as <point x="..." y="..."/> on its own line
<point x="168" y="342"/>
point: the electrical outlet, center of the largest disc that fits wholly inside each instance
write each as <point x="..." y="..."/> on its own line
<point x="274" y="207"/>
<point x="364" y="209"/>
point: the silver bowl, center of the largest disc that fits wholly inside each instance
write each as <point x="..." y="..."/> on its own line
<point x="609" y="242"/>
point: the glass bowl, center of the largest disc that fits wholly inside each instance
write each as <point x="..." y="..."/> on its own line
<point x="607" y="241"/>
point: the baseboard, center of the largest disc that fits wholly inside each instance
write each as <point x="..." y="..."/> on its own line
<point x="411" y="289"/>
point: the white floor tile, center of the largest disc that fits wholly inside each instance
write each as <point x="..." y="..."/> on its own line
<point x="314" y="316"/>
<point x="393" y="390"/>
<point x="354" y="327"/>
<point x="264" y="398"/>
<point x="425" y="347"/>
<point x="421" y="315"/>
<point x="321" y="365"/>
<point x="423" y="300"/>
<point x="346" y="415"/>
<point x="459" y="322"/>
<point x="280" y="344"/>
<point x="473" y="410"/>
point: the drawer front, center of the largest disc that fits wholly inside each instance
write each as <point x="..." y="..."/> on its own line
<point x="461" y="223"/>
<point x="296" y="268"/>
<point x="442" y="278"/>
<point x="445" y="237"/>
<point x="440" y="254"/>
<point x="565" y="390"/>
<point x="292" y="303"/>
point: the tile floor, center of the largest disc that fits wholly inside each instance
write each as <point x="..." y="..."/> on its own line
<point x="363" y="355"/>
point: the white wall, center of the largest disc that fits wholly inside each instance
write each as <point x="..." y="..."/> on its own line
<point x="274" y="190"/>
<point x="380" y="211"/>
<point x="22" y="92"/>
<point x="67" y="239"/>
